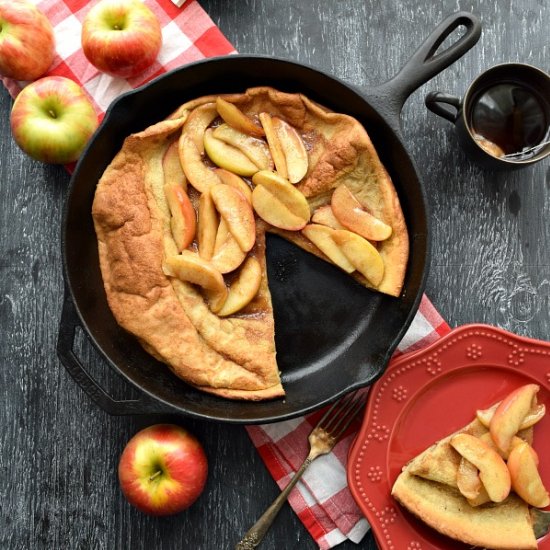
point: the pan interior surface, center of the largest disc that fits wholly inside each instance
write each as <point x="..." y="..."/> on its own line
<point x="332" y="334"/>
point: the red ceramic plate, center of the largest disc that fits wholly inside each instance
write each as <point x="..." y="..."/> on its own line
<point x="423" y="397"/>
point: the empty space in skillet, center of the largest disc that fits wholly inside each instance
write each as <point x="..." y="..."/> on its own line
<point x="332" y="334"/>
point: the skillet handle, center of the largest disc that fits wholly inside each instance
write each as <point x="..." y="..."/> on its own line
<point x="65" y="343"/>
<point x="425" y="63"/>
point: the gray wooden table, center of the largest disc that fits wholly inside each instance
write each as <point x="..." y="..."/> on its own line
<point x="490" y="263"/>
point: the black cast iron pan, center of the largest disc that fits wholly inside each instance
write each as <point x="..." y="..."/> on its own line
<point x="332" y="335"/>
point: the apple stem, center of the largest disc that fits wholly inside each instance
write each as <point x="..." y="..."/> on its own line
<point x="157" y="473"/>
<point x="52" y="113"/>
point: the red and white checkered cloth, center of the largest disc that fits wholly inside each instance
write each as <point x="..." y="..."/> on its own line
<point x="321" y="499"/>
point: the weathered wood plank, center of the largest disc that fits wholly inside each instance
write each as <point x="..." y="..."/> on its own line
<point x="490" y="263"/>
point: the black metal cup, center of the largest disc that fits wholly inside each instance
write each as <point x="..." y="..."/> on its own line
<point x="459" y="112"/>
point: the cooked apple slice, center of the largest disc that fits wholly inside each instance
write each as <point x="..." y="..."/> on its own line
<point x="199" y="175"/>
<point x="325" y="216"/>
<point x="278" y="202"/>
<point x="237" y="119"/>
<point x="510" y="413"/>
<point x="228" y="255"/>
<point x="482" y="498"/>
<point x="293" y="148"/>
<point x="362" y="254"/>
<point x="171" y="166"/>
<point x="198" y="121"/>
<point x="321" y="237"/>
<point x="183" y="222"/>
<point x="274" y="211"/>
<point x="255" y="149"/>
<point x="207" y="225"/>
<point x="468" y="480"/>
<point x="486" y="437"/>
<point x="235" y="181"/>
<point x="244" y="288"/>
<point x="526" y="480"/>
<point x="226" y="156"/>
<point x="235" y="209"/>
<point x="533" y="416"/>
<point x="190" y="267"/>
<point x="493" y="471"/>
<point x="277" y="153"/>
<point x="351" y="214"/>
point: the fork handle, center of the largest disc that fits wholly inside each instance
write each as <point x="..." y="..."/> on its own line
<point x="258" y="531"/>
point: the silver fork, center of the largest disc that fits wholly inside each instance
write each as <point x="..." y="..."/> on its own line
<point x="322" y="440"/>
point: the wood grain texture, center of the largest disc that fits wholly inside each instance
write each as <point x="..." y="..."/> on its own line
<point x="490" y="263"/>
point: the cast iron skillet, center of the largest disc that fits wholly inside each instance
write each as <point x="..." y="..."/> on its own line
<point x="332" y="335"/>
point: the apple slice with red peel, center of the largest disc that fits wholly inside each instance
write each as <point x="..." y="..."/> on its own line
<point x="197" y="122"/>
<point x="233" y="116"/>
<point x="226" y="156"/>
<point x="325" y="216"/>
<point x="351" y="214"/>
<point x="244" y="288"/>
<point x="231" y="179"/>
<point x="362" y="254"/>
<point x="228" y="255"/>
<point x="183" y="222"/>
<point x="468" y="480"/>
<point x="190" y="267"/>
<point x="526" y="480"/>
<point x="533" y="416"/>
<point x="321" y="237"/>
<point x="510" y="413"/>
<point x="199" y="175"/>
<point x="277" y="153"/>
<point x="208" y="222"/>
<point x="493" y="471"/>
<point x="255" y="149"/>
<point x="237" y="212"/>
<point x="278" y="202"/>
<point x="293" y="149"/>
<point x="486" y="438"/>
<point x="171" y="166"/>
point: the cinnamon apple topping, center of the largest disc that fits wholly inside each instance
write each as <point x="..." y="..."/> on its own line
<point x="256" y="169"/>
<point x="477" y="484"/>
<point x="204" y="186"/>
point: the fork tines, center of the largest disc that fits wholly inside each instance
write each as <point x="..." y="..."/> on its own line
<point x="340" y="415"/>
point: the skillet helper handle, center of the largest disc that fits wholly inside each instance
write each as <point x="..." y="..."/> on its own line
<point x="65" y="343"/>
<point x="425" y="63"/>
<point x="434" y="102"/>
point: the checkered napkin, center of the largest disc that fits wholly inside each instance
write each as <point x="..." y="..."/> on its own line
<point x="321" y="500"/>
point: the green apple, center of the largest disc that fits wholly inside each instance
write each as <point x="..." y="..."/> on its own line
<point x="52" y="120"/>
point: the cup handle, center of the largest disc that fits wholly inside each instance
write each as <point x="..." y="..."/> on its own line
<point x="434" y="100"/>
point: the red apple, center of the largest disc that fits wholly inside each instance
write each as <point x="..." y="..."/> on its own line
<point x="52" y="120"/>
<point x="162" y="469"/>
<point x="121" y="37"/>
<point x="27" y="45"/>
